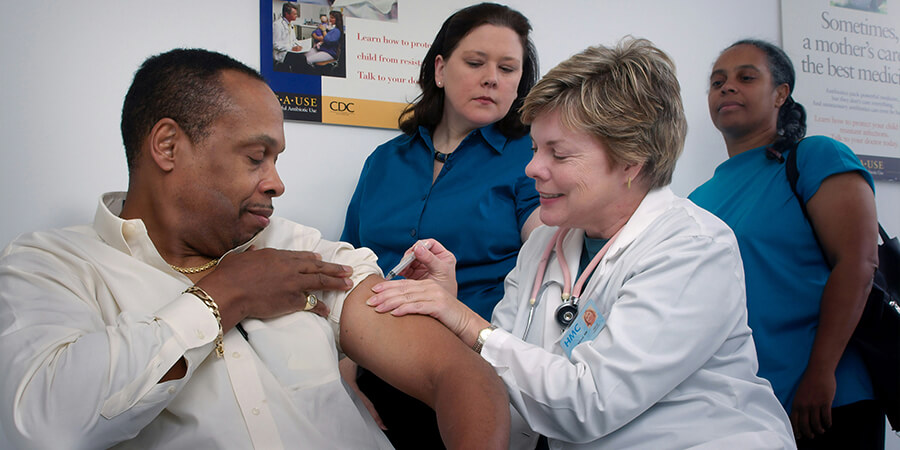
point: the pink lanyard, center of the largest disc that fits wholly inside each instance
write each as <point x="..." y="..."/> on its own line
<point x="557" y="243"/>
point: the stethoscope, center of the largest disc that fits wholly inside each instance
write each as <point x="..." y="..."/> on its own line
<point x="566" y="312"/>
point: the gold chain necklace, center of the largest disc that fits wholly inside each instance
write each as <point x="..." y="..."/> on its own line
<point x="198" y="269"/>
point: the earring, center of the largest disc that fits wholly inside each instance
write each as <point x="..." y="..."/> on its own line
<point x="629" y="182"/>
<point x="440" y="85"/>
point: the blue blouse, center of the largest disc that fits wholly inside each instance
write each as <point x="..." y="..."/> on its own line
<point x="784" y="269"/>
<point x="476" y="207"/>
<point x="331" y="42"/>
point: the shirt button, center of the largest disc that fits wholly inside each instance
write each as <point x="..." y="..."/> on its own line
<point x="171" y="389"/>
<point x="200" y="334"/>
<point x="412" y="232"/>
<point x="235" y="355"/>
<point x="255" y="411"/>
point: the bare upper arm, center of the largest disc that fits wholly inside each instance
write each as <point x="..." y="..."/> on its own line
<point x="410" y="352"/>
<point x="845" y="219"/>
<point x="421" y="357"/>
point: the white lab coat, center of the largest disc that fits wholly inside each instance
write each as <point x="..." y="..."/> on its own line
<point x="675" y="366"/>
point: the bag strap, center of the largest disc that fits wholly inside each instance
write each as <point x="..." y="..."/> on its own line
<point x="793" y="174"/>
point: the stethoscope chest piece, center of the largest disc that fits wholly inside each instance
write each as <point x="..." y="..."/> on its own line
<point x="566" y="312"/>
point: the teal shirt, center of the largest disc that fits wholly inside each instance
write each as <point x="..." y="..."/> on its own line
<point x="785" y="272"/>
<point x="589" y="250"/>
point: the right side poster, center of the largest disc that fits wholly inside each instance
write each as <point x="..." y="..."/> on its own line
<point x="847" y="57"/>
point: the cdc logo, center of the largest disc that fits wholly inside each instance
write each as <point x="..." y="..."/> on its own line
<point x="337" y="106"/>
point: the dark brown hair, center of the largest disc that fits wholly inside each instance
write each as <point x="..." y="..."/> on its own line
<point x="428" y="107"/>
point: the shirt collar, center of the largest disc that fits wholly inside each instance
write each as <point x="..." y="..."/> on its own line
<point x="653" y="204"/>
<point x="494" y="137"/>
<point x="491" y="135"/>
<point x="130" y="236"/>
<point x="109" y="226"/>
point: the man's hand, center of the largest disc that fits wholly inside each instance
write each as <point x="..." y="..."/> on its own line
<point x="269" y="283"/>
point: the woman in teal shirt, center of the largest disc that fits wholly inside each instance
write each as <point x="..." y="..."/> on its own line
<point x="457" y="175"/>
<point x="802" y="308"/>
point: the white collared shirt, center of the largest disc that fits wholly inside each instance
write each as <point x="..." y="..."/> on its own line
<point x="92" y="317"/>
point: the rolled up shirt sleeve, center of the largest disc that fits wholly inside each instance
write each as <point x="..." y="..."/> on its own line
<point x="298" y="237"/>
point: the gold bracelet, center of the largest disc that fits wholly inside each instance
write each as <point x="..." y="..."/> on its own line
<point x="214" y="309"/>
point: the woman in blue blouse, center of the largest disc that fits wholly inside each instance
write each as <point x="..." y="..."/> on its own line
<point x="329" y="46"/>
<point x="802" y="307"/>
<point x="457" y="174"/>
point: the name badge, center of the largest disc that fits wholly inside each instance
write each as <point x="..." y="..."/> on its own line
<point x="585" y="327"/>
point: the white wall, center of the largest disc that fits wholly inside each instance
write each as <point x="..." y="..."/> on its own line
<point x="66" y="67"/>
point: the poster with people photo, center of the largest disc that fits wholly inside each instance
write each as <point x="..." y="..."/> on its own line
<point x="348" y="62"/>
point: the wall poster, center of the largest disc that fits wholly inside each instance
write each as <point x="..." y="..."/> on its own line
<point x="348" y="62"/>
<point x="847" y="57"/>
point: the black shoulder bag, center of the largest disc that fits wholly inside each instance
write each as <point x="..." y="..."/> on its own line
<point x="877" y="336"/>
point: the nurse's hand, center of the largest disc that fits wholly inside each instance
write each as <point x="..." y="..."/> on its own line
<point x="433" y="262"/>
<point x="427" y="297"/>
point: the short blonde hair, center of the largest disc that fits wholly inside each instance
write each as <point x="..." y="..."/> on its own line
<point x="627" y="96"/>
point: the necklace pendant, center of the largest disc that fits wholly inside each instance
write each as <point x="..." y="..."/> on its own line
<point x="441" y="157"/>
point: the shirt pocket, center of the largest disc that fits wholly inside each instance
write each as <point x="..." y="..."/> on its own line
<point x="298" y="349"/>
